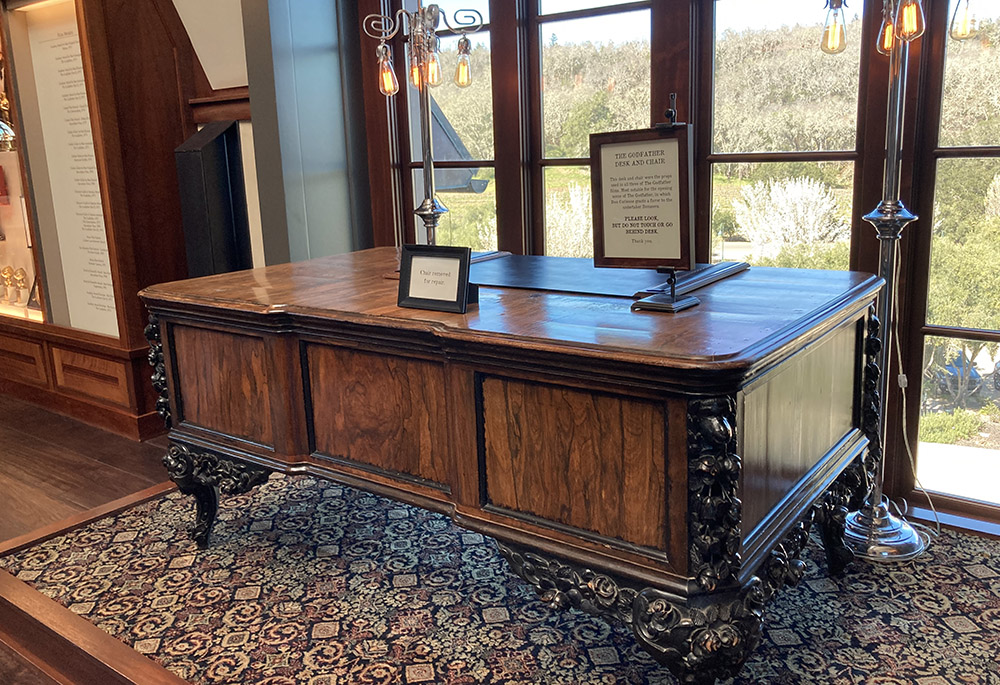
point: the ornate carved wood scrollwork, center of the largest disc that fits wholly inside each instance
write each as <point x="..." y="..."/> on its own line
<point x="714" y="510"/>
<point x="204" y="475"/>
<point x="701" y="639"/>
<point x="871" y="404"/>
<point x="159" y="377"/>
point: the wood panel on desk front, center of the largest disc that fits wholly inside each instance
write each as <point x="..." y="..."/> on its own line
<point x="793" y="417"/>
<point x="223" y="382"/>
<point x="587" y="460"/>
<point x="382" y="411"/>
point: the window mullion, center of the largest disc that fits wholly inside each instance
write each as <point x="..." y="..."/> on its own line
<point x="536" y="183"/>
<point x="509" y="125"/>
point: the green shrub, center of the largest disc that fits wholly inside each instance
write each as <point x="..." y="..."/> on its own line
<point x="991" y="411"/>
<point x="948" y="428"/>
<point x="810" y="256"/>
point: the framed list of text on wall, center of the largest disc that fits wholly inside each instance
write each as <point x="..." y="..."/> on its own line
<point x="642" y="197"/>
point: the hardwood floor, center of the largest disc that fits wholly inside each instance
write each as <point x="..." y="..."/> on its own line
<point x="52" y="467"/>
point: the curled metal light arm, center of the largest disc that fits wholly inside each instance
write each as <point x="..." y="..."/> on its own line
<point x="382" y="27"/>
<point x="424" y="71"/>
<point x="466" y="21"/>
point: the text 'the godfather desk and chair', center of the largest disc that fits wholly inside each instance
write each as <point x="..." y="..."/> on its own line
<point x="660" y="470"/>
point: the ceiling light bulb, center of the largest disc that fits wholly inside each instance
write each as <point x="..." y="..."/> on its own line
<point x="415" y="75"/>
<point x="433" y="69"/>
<point x="886" y="34"/>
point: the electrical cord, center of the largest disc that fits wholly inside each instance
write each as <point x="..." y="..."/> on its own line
<point x="925" y="532"/>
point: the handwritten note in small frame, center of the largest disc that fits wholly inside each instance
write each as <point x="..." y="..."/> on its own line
<point x="437" y="278"/>
<point x="642" y="197"/>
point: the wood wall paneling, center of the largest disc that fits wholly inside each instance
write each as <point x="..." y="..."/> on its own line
<point x="222" y="105"/>
<point x="23" y="360"/>
<point x="103" y="379"/>
<point x="386" y="412"/>
<point x="587" y="460"/>
<point x="223" y="378"/>
<point x="793" y="417"/>
<point x="141" y="109"/>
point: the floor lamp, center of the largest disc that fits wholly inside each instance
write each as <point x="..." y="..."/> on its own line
<point x="425" y="72"/>
<point x="873" y="532"/>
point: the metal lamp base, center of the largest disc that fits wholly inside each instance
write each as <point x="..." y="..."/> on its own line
<point x="874" y="534"/>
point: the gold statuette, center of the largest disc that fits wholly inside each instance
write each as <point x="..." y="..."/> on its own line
<point x="20" y="283"/>
<point x="7" y="277"/>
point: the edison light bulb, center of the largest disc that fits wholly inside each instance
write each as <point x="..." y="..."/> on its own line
<point x="387" y="82"/>
<point x="909" y="20"/>
<point x="886" y="35"/>
<point x="463" y="71"/>
<point x="415" y="76"/>
<point x="835" y="30"/>
<point x="433" y="69"/>
<point x="964" y="22"/>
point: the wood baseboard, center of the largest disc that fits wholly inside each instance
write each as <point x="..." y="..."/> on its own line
<point x="54" y="641"/>
<point x="112" y="419"/>
<point x="66" y="647"/>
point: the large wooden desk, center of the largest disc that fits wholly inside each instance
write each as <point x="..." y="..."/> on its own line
<point x="662" y="470"/>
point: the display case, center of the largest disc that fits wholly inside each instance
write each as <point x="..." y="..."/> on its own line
<point x="98" y="94"/>
<point x="20" y="295"/>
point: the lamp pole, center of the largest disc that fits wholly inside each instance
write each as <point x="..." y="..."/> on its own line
<point x="873" y="532"/>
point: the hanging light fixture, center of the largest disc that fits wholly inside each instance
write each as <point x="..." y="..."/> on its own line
<point x="387" y="82"/>
<point x="463" y="70"/>
<point x="887" y="33"/>
<point x="964" y="22"/>
<point x="835" y="30"/>
<point x="909" y="20"/>
<point x="433" y="67"/>
<point x="425" y="70"/>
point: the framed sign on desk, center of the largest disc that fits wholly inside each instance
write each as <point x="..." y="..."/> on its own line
<point x="642" y="197"/>
<point x="436" y="277"/>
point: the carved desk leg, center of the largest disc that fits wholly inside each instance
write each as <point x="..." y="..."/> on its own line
<point x="700" y="639"/>
<point x="204" y="475"/>
<point x="710" y="634"/>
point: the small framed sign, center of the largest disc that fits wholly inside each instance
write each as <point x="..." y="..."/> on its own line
<point x="432" y="277"/>
<point x="642" y="197"/>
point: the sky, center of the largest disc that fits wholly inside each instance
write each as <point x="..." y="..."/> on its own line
<point x="734" y="15"/>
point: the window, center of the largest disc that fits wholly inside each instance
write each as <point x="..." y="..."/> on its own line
<point x="593" y="76"/>
<point x="959" y="401"/>
<point x="784" y="136"/>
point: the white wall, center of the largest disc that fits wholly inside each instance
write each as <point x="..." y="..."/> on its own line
<point x="215" y="28"/>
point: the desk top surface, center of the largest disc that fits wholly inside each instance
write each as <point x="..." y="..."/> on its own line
<point x="739" y="320"/>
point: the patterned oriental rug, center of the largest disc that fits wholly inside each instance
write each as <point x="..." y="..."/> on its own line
<point x="307" y="581"/>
